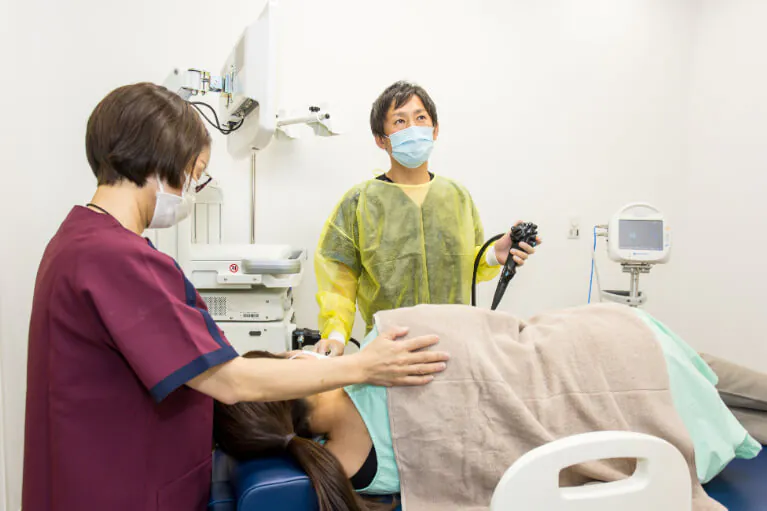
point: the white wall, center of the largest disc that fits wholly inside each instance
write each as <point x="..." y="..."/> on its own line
<point x="7" y="61"/>
<point x="547" y="109"/>
<point x="721" y="245"/>
<point x="3" y="457"/>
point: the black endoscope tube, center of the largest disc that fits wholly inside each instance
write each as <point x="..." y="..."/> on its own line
<point x="521" y="233"/>
<point x="527" y="233"/>
<point x="500" y="290"/>
<point x="476" y="266"/>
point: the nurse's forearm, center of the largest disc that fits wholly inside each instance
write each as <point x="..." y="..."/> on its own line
<point x="260" y="379"/>
<point x="275" y="380"/>
<point x="383" y="362"/>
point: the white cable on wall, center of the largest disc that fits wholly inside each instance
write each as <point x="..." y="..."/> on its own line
<point x="596" y="272"/>
<point x="594" y="268"/>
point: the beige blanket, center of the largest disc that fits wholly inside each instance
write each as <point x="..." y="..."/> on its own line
<point x="512" y="386"/>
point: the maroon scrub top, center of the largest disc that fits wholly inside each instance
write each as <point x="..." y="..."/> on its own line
<point x="116" y="332"/>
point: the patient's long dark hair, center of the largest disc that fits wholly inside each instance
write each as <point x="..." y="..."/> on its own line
<point x="255" y="430"/>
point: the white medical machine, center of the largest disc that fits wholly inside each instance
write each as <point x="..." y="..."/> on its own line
<point x="247" y="288"/>
<point x="638" y="237"/>
<point x="247" y="88"/>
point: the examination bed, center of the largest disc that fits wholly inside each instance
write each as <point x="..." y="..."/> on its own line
<point x="279" y="483"/>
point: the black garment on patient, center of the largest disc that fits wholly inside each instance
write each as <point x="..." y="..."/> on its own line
<point x="365" y="475"/>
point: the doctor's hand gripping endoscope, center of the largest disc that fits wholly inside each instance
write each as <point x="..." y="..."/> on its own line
<point x="522" y="233"/>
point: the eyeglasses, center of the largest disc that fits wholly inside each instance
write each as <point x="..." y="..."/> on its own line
<point x="200" y="187"/>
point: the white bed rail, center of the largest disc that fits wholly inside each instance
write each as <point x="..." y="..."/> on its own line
<point x="661" y="481"/>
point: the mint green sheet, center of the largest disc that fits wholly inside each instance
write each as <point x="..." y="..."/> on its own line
<point x="716" y="433"/>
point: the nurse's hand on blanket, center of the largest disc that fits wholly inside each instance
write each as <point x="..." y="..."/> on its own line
<point x="390" y="362"/>
<point x="384" y="362"/>
<point x="503" y="248"/>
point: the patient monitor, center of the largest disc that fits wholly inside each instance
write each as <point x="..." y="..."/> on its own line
<point x="638" y="233"/>
<point x="638" y="237"/>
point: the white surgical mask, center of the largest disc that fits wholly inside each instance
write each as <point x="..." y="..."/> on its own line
<point x="169" y="208"/>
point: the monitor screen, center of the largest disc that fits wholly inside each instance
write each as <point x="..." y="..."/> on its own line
<point x="641" y="235"/>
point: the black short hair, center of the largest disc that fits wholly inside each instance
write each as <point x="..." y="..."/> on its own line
<point x="398" y="94"/>
<point x="140" y="130"/>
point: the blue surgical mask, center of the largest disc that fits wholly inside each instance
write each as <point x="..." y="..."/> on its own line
<point x="412" y="146"/>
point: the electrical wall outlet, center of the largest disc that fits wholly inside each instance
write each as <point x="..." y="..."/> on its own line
<point x="574" y="231"/>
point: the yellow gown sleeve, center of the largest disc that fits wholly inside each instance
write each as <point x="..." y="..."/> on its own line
<point x="485" y="272"/>
<point x="337" y="267"/>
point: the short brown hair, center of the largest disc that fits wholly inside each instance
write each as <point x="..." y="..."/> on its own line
<point x="398" y="94"/>
<point x="140" y="130"/>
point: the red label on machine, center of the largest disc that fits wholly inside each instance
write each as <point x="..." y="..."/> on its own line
<point x="234" y="268"/>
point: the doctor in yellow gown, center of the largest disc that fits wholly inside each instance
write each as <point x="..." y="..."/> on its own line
<point x="404" y="238"/>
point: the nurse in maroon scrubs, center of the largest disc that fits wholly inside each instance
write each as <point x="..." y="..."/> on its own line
<point x="124" y="359"/>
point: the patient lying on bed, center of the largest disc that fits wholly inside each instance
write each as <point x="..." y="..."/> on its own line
<point x="357" y="452"/>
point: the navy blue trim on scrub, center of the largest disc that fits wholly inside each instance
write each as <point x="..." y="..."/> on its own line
<point x="202" y="363"/>
<point x="193" y="369"/>
<point x="189" y="290"/>
<point x="191" y="300"/>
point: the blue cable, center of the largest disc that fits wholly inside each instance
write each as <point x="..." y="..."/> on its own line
<point x="591" y="279"/>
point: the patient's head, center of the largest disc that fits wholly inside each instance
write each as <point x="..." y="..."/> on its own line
<point x="253" y="430"/>
<point x="248" y="430"/>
